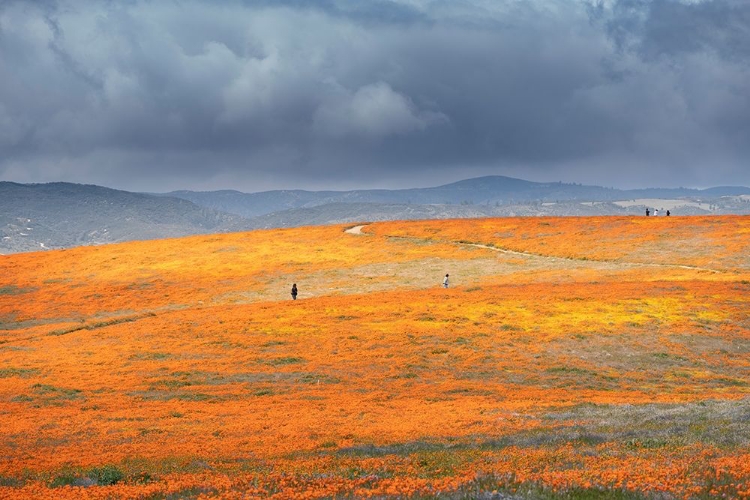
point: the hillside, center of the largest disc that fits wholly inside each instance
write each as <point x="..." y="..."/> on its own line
<point x="586" y="357"/>
<point x="60" y="215"/>
<point x="495" y="195"/>
<point x="337" y="213"/>
<point x="63" y="215"/>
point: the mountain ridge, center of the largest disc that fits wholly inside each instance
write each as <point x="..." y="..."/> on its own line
<point x="61" y="215"/>
<point x="498" y="190"/>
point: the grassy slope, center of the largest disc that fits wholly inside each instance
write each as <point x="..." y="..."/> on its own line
<point x="569" y="354"/>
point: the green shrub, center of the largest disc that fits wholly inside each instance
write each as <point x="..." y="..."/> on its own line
<point x="106" y="475"/>
<point x="64" y="479"/>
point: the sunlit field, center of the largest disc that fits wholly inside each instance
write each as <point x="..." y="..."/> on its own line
<point x="604" y="357"/>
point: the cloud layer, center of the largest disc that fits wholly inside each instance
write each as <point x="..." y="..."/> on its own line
<point x="255" y="95"/>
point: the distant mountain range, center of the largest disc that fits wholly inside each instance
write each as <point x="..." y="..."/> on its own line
<point x="60" y="215"/>
<point x="488" y="191"/>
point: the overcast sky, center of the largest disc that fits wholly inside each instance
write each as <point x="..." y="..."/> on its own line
<point x="257" y="95"/>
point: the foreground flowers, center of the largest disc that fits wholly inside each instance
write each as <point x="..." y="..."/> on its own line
<point x="584" y="353"/>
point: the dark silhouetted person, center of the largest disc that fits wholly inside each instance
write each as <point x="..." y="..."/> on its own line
<point x="445" y="281"/>
<point x="294" y="291"/>
<point x="668" y="214"/>
<point x="647" y="213"/>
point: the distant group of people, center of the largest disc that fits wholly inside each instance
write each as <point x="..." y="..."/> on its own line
<point x="656" y="212"/>
<point x="295" y="291"/>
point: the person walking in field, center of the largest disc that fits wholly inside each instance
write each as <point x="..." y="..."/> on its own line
<point x="294" y="291"/>
<point x="647" y="213"/>
<point x="445" y="281"/>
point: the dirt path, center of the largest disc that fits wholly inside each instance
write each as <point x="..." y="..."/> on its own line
<point x="356" y="229"/>
<point x="647" y="264"/>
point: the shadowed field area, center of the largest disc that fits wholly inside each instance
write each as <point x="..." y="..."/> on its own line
<point x="603" y="357"/>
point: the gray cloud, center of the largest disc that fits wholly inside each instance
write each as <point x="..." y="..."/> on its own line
<point x="258" y="94"/>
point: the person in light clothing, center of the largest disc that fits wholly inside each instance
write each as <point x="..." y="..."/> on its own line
<point x="445" y="281"/>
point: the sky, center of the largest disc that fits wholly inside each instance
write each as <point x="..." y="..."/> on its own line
<point x="331" y="94"/>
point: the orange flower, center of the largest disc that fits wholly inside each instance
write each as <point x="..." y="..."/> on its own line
<point x="556" y="360"/>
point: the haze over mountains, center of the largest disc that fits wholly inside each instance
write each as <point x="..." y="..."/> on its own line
<point x="60" y="215"/>
<point x="491" y="190"/>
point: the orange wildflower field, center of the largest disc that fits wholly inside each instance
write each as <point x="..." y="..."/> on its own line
<point x="597" y="357"/>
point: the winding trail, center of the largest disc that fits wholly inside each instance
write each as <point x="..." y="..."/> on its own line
<point x="573" y="259"/>
<point x="358" y="230"/>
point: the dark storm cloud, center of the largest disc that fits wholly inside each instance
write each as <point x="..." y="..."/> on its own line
<point x="260" y="94"/>
<point x="672" y="28"/>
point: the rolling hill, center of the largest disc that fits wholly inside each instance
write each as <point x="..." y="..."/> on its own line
<point x="60" y="215"/>
<point x="575" y="357"/>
